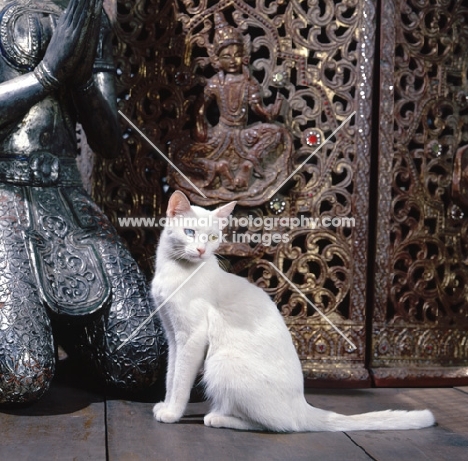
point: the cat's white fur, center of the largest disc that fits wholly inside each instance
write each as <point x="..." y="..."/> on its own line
<point x="229" y="327"/>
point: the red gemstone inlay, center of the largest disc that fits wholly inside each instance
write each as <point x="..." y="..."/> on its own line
<point x="312" y="139"/>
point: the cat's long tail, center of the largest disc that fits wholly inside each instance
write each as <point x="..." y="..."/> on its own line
<point x="378" y="420"/>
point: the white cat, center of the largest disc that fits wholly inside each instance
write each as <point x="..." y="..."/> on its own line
<point x="229" y="327"/>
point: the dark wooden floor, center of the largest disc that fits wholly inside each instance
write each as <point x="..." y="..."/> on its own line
<point x="75" y="422"/>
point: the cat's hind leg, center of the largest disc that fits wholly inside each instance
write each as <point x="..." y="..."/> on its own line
<point x="230" y="422"/>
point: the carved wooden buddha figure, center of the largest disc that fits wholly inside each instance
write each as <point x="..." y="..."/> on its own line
<point x="232" y="159"/>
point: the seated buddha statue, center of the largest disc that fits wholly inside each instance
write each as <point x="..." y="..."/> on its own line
<point x="232" y="159"/>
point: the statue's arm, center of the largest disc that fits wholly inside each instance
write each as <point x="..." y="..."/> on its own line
<point x="18" y="95"/>
<point x="200" y="131"/>
<point x="269" y="113"/>
<point x="95" y="100"/>
<point x="76" y="29"/>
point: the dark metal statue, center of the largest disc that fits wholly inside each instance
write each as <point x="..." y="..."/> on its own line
<point x="65" y="276"/>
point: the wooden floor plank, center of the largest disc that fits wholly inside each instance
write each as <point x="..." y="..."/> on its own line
<point x="462" y="389"/>
<point x="449" y="406"/>
<point x="434" y="443"/>
<point x="67" y="424"/>
<point x="134" y="435"/>
<point x="446" y="441"/>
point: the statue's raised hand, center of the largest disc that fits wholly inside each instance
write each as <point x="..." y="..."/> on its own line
<point x="70" y="42"/>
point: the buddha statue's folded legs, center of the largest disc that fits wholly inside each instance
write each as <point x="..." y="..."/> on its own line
<point x="45" y="265"/>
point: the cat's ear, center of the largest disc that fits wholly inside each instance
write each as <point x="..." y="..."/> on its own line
<point x="178" y="205"/>
<point x="223" y="212"/>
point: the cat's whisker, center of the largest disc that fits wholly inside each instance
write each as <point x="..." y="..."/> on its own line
<point x="151" y="259"/>
<point x="180" y="256"/>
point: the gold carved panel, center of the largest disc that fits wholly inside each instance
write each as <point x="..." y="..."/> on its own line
<point x="420" y="317"/>
<point x="318" y="56"/>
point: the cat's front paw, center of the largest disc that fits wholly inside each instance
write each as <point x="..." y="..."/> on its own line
<point x="157" y="407"/>
<point x="164" y="414"/>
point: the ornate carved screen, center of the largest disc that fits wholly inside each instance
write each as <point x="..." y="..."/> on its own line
<point x="319" y="57"/>
<point x="420" y="319"/>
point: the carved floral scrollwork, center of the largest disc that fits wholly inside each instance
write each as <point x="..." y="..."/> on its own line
<point x="318" y="56"/>
<point x="71" y="274"/>
<point x="422" y="290"/>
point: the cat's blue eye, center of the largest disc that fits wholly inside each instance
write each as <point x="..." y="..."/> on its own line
<point x="189" y="232"/>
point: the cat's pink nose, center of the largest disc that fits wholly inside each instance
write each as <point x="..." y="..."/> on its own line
<point x="201" y="251"/>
